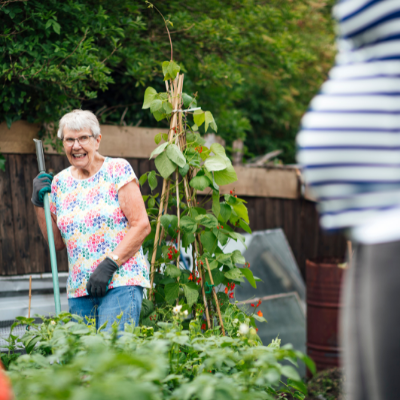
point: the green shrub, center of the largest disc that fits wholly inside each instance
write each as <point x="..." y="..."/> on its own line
<point x="70" y="360"/>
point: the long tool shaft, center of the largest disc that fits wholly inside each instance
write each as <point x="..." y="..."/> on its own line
<point x="49" y="225"/>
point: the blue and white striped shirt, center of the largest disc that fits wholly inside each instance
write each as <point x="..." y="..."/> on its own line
<point x="349" y="142"/>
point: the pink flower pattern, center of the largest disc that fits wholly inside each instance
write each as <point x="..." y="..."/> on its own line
<point x="92" y="224"/>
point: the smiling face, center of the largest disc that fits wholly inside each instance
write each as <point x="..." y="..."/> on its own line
<point x="81" y="156"/>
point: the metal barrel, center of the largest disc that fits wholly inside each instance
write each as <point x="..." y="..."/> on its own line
<point x="324" y="279"/>
<point x="40" y="155"/>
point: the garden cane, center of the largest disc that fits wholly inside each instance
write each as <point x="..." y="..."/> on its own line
<point x="49" y="225"/>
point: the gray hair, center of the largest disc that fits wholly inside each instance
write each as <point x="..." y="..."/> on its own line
<point x="78" y="120"/>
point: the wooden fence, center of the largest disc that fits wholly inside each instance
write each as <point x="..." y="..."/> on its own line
<point x="23" y="250"/>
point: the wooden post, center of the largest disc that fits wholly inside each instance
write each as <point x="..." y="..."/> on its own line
<point x="215" y="298"/>
<point x="165" y="211"/>
<point x="176" y="91"/>
<point x="153" y="257"/>
<point x="178" y="243"/>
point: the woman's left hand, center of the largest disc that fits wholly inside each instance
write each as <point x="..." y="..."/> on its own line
<point x="101" y="277"/>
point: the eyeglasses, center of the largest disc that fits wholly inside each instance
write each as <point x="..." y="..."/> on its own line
<point x="81" y="140"/>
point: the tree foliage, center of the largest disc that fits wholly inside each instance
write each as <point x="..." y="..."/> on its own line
<point x="257" y="63"/>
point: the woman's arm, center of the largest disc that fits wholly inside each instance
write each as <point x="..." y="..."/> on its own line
<point x="132" y="205"/>
<point x="58" y="242"/>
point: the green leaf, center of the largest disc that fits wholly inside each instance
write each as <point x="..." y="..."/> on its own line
<point x="218" y="150"/>
<point x="149" y="96"/>
<point x="226" y="211"/>
<point x="209" y="119"/>
<point x="290" y="372"/>
<point x="188" y="100"/>
<point x="199" y="117"/>
<point x="249" y="276"/>
<point x="152" y="180"/>
<point x="171" y="292"/>
<point x="191" y="291"/>
<point x="200" y="182"/>
<point x="209" y="241"/>
<point x="183" y="171"/>
<point x="172" y="70"/>
<point x="56" y="27"/>
<point x="164" y="165"/>
<point x="237" y="257"/>
<point x="167" y="106"/>
<point x="199" y="211"/>
<point x="151" y="202"/>
<point x="188" y="224"/>
<point x="155" y="105"/>
<point x="225" y="259"/>
<point x="258" y="318"/>
<point x="241" y="211"/>
<point x="298" y="385"/>
<point x="147" y="308"/>
<point x="238" y="236"/>
<point x="195" y="138"/>
<point x="226" y="176"/>
<point x="187" y="239"/>
<point x="169" y="220"/>
<point x="208" y="220"/>
<point x="165" y="137"/>
<point x="172" y="271"/>
<point x="244" y="226"/>
<point x="216" y="163"/>
<point x="157" y="138"/>
<point x="215" y="203"/>
<point x="218" y="277"/>
<point x="235" y="274"/>
<point x="165" y="65"/>
<point x="158" y="150"/>
<point x="213" y="264"/>
<point x="159" y="115"/>
<point x="175" y="155"/>
<point x="31" y="345"/>
<point x="143" y="180"/>
<point x="223" y="239"/>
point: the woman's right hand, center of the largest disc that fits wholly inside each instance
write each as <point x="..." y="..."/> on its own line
<point x="41" y="186"/>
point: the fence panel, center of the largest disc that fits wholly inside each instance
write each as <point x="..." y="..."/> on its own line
<point x="24" y="251"/>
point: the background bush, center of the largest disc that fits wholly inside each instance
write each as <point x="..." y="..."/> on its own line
<point x="257" y="63"/>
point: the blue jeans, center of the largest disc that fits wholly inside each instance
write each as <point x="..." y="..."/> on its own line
<point x="126" y="299"/>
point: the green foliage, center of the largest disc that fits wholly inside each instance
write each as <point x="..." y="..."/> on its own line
<point x="257" y="65"/>
<point x="55" y="56"/>
<point x="71" y="360"/>
<point x="192" y="225"/>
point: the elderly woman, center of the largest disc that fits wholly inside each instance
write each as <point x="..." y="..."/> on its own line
<point x="99" y="215"/>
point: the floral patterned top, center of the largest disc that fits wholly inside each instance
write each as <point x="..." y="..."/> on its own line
<point x="92" y="224"/>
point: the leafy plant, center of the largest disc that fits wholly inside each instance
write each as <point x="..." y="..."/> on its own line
<point x="189" y="167"/>
<point x="71" y="360"/>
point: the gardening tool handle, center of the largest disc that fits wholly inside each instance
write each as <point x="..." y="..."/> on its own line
<point x="49" y="226"/>
<point x="40" y="155"/>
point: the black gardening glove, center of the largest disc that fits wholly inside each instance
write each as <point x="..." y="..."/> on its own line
<point x="41" y="186"/>
<point x="101" y="278"/>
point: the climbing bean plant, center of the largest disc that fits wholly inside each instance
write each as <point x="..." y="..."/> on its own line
<point x="191" y="213"/>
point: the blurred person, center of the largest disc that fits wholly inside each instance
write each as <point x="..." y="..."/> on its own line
<point x="99" y="216"/>
<point x="349" y="149"/>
